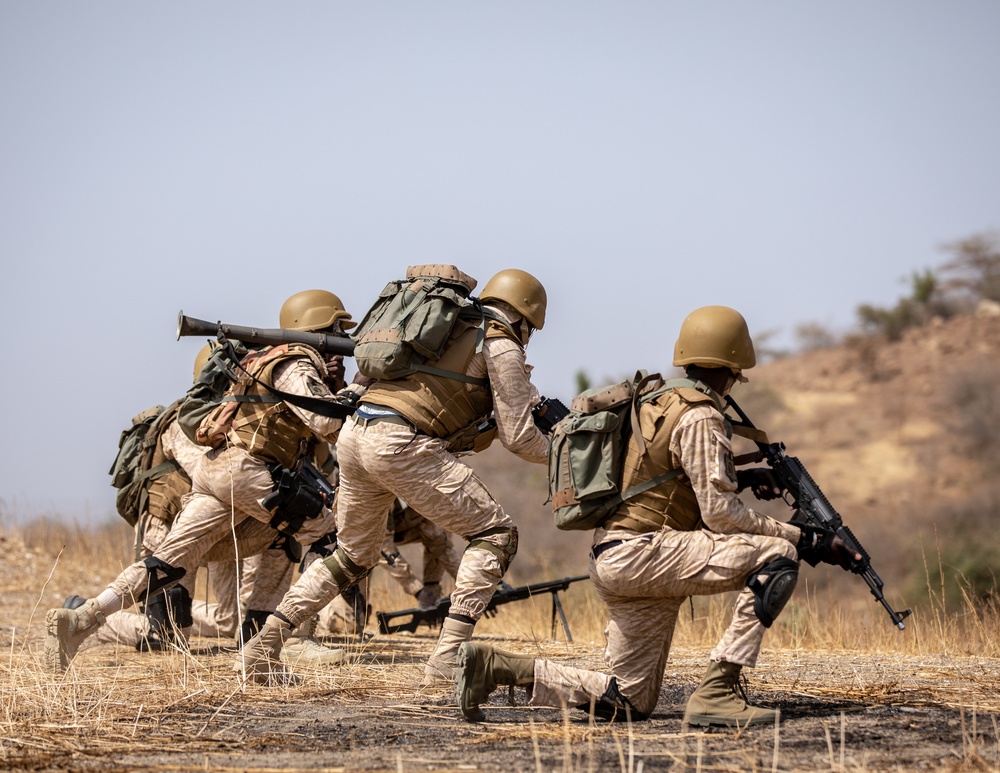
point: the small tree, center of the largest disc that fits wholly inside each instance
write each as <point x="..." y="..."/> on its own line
<point x="974" y="269"/>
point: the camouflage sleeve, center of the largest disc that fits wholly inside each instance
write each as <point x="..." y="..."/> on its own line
<point x="300" y="377"/>
<point x="706" y="454"/>
<point x="513" y="398"/>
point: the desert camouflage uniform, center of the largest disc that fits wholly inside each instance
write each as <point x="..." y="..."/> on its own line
<point x="223" y="517"/>
<point x="381" y="460"/>
<point x="406" y="526"/>
<point x="126" y="627"/>
<point x="645" y="579"/>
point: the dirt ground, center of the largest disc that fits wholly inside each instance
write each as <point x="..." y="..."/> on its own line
<point x="120" y="710"/>
<point x="844" y="710"/>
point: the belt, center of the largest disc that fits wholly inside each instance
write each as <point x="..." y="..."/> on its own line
<point x="389" y="418"/>
<point x="598" y="549"/>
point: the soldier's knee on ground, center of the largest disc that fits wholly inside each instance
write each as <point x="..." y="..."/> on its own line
<point x="614" y="706"/>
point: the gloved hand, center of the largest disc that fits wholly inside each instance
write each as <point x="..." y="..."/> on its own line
<point x="760" y="481"/>
<point x="817" y="544"/>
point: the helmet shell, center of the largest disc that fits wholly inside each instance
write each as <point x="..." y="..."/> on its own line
<point x="313" y="310"/>
<point x="522" y="291"/>
<point x="713" y="337"/>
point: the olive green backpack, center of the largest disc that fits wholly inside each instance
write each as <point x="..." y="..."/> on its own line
<point x="588" y="451"/>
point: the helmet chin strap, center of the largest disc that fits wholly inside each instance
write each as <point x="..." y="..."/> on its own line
<point x="525" y="331"/>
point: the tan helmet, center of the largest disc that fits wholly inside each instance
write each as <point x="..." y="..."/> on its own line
<point x="522" y="291"/>
<point x="715" y="336"/>
<point x="313" y="310"/>
<point x="202" y="359"/>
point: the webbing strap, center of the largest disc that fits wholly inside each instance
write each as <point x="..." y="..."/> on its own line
<point x="640" y="488"/>
<point x="332" y="410"/>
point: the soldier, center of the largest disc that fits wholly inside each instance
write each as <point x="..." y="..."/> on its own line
<point x="224" y="514"/>
<point x="691" y="535"/>
<point x="395" y="446"/>
<point x="404" y="527"/>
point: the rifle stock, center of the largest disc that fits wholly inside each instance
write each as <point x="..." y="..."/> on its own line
<point x="803" y="495"/>
<point x="321" y="342"/>
<point x="433" y="616"/>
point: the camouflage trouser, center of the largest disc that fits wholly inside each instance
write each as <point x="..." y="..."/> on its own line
<point x="259" y="585"/>
<point x="382" y="461"/>
<point x="643" y="582"/>
<point x="129" y="628"/>
<point x="222" y="519"/>
<point x="440" y="555"/>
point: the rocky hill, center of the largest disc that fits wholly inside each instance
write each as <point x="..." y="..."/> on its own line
<point x="903" y="437"/>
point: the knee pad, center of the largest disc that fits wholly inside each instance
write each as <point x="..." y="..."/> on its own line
<point x="500" y="541"/>
<point x="772" y="585"/>
<point x="160" y="575"/>
<point x="345" y="572"/>
<point x="613" y="705"/>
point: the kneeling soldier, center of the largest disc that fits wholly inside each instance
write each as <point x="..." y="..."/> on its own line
<point x="689" y="536"/>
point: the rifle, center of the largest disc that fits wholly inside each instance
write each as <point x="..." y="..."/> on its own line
<point x="324" y="343"/>
<point x="812" y="507"/>
<point x="433" y="616"/>
<point x="549" y="412"/>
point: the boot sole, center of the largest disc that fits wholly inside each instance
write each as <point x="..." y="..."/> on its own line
<point x="467" y="657"/>
<point x="706" y="720"/>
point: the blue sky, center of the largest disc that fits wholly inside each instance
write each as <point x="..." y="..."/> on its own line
<point x="789" y="159"/>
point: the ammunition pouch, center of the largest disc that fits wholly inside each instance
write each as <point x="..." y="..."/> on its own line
<point x="293" y="500"/>
<point x="474" y="438"/>
<point x="773" y="585"/>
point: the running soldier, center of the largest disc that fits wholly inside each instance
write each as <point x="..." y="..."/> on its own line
<point x="396" y="446"/>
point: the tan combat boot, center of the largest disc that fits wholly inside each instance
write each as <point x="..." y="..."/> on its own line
<point x="65" y="631"/>
<point x="440" y="667"/>
<point x="303" y="648"/>
<point x="259" y="660"/>
<point x="480" y="669"/>
<point x="715" y="701"/>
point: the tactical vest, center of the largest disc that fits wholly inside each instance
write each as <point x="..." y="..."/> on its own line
<point x="270" y="430"/>
<point x="437" y="405"/>
<point x="673" y="503"/>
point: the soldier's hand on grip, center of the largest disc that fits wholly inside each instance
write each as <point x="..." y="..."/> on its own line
<point x="760" y="481"/>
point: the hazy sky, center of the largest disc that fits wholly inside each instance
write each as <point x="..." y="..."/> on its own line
<point x="791" y="159"/>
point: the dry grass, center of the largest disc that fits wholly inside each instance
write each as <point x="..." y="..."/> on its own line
<point x="826" y="658"/>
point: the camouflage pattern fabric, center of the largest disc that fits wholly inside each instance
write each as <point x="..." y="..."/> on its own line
<point x="645" y="579"/>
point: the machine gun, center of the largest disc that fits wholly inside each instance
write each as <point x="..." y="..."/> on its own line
<point x="324" y="343"/>
<point x="433" y="616"/>
<point x="801" y="493"/>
